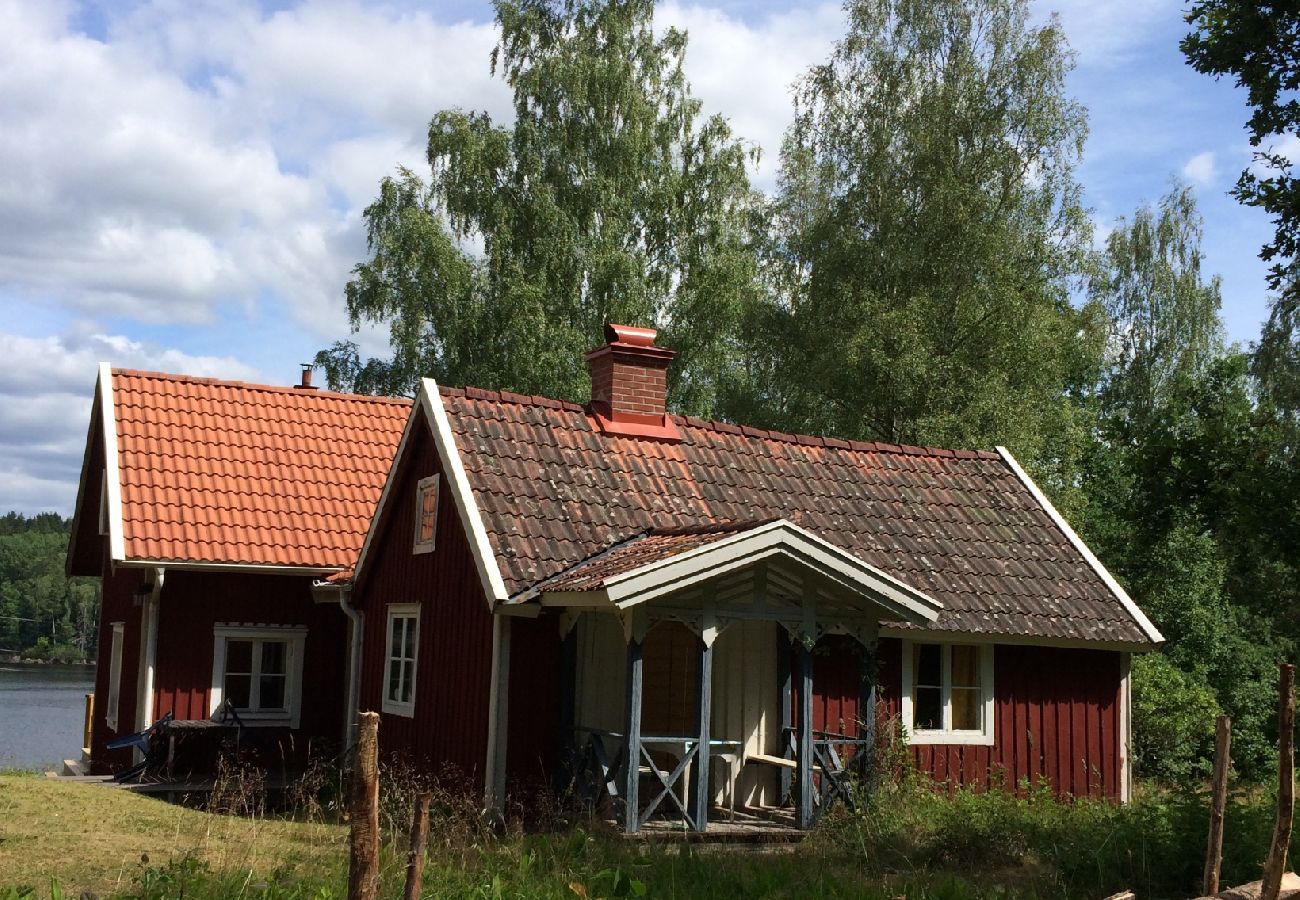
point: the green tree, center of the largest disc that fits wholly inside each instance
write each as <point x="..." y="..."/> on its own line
<point x="928" y="225"/>
<point x="609" y="198"/>
<point x="1259" y="44"/>
<point x="1163" y="316"/>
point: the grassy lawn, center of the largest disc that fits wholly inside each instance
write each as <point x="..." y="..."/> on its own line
<point x="910" y="841"/>
<point x="92" y="838"/>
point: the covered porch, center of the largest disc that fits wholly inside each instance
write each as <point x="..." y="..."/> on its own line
<point x="688" y="673"/>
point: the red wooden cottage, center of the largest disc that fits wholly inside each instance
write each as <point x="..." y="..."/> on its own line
<point x="609" y="590"/>
<point x="208" y="509"/>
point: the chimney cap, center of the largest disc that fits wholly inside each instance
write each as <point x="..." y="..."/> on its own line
<point x="305" y="384"/>
<point x="630" y="334"/>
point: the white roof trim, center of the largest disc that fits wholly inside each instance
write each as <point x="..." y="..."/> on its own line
<point x="383" y="495"/>
<point x="471" y="517"/>
<point x="1148" y="628"/>
<point x="775" y="538"/>
<point x="112" y="473"/>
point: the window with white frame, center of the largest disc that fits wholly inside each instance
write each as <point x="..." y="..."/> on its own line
<point x="426" y="514"/>
<point x="948" y="692"/>
<point x="258" y="669"/>
<point x="114" y="676"/>
<point x="403" y="645"/>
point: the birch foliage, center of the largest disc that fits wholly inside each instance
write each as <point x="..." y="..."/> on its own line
<point x="609" y="198"/>
<point x="928" y="226"/>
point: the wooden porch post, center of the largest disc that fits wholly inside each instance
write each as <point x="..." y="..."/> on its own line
<point x="632" y="741"/>
<point x="699" y="801"/>
<point x="565" y="774"/>
<point x="787" y="712"/>
<point x="804" y="681"/>
<point x="867" y="714"/>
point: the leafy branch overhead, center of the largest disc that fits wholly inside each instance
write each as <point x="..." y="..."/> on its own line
<point x="610" y="197"/>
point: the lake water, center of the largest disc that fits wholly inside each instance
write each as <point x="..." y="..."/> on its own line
<point x="42" y="712"/>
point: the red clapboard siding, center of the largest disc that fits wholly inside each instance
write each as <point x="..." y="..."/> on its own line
<point x="1056" y="719"/>
<point x="454" y="661"/>
<point x="118" y="605"/>
<point x="191" y="604"/>
<point x="534" y="737"/>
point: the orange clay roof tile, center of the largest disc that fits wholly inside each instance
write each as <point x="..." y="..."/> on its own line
<point x="220" y="472"/>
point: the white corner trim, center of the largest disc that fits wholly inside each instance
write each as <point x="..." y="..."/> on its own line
<point x="748" y="546"/>
<point x="1126" y="727"/>
<point x="494" y="782"/>
<point x="470" y="515"/>
<point x="1148" y="628"/>
<point x="985" y="736"/>
<point x="112" y="471"/>
<point x="383" y="495"/>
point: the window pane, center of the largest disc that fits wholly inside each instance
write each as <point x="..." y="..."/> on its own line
<point x="428" y="512"/>
<point x="274" y="654"/>
<point x="395" y="649"/>
<point x="239" y="657"/>
<point x="967" y="710"/>
<point x="410" y="639"/>
<point x="408" y="680"/>
<point x="927" y="665"/>
<point x="965" y="666"/>
<point x="237" y="688"/>
<point x="394" y="680"/>
<point x="928" y="708"/>
<point x="272" y="692"/>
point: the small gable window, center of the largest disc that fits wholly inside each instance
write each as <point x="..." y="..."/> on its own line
<point x="948" y="693"/>
<point x="258" y="670"/>
<point x="426" y="514"/>
<point x="403" y="644"/>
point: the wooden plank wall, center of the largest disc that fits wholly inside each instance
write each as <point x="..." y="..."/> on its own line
<point x="449" y="730"/>
<point x="192" y="603"/>
<point x="1057" y="721"/>
<point x="118" y="605"/>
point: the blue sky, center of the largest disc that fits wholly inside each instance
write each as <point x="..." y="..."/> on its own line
<point x="181" y="181"/>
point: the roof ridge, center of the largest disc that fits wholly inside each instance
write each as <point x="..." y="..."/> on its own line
<point x="257" y="386"/>
<point x="720" y="426"/>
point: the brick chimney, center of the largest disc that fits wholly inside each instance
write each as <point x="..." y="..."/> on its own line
<point x="629" y="384"/>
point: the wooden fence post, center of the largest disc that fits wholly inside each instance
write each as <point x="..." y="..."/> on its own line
<point x="1276" y="863"/>
<point x="1218" y="804"/>
<point x="363" y="861"/>
<point x="419" y="838"/>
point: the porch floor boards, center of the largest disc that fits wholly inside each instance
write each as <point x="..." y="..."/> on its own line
<point x="771" y="826"/>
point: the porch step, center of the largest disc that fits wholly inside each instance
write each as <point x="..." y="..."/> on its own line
<point x="75" y="768"/>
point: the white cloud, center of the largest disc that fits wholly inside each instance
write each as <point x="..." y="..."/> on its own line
<point x="745" y="71"/>
<point x="1201" y="169"/>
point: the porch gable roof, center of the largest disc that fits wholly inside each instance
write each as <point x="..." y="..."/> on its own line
<point x="667" y="561"/>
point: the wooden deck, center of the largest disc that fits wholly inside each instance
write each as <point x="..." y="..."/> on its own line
<point x="769" y="828"/>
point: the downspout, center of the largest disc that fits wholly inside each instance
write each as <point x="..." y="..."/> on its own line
<point x="494" y="787"/>
<point x="326" y="592"/>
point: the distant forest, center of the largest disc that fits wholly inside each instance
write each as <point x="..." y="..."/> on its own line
<point x="43" y="615"/>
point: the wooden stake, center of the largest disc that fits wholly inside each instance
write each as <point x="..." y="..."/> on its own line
<point x="1218" y="804"/>
<point x="363" y="861"/>
<point x="419" y="838"/>
<point x="1276" y="863"/>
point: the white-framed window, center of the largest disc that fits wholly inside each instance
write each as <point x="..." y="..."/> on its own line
<point x="426" y="514"/>
<point x="403" y="647"/>
<point x="948" y="692"/>
<point x="258" y="668"/>
<point x="114" y="676"/>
